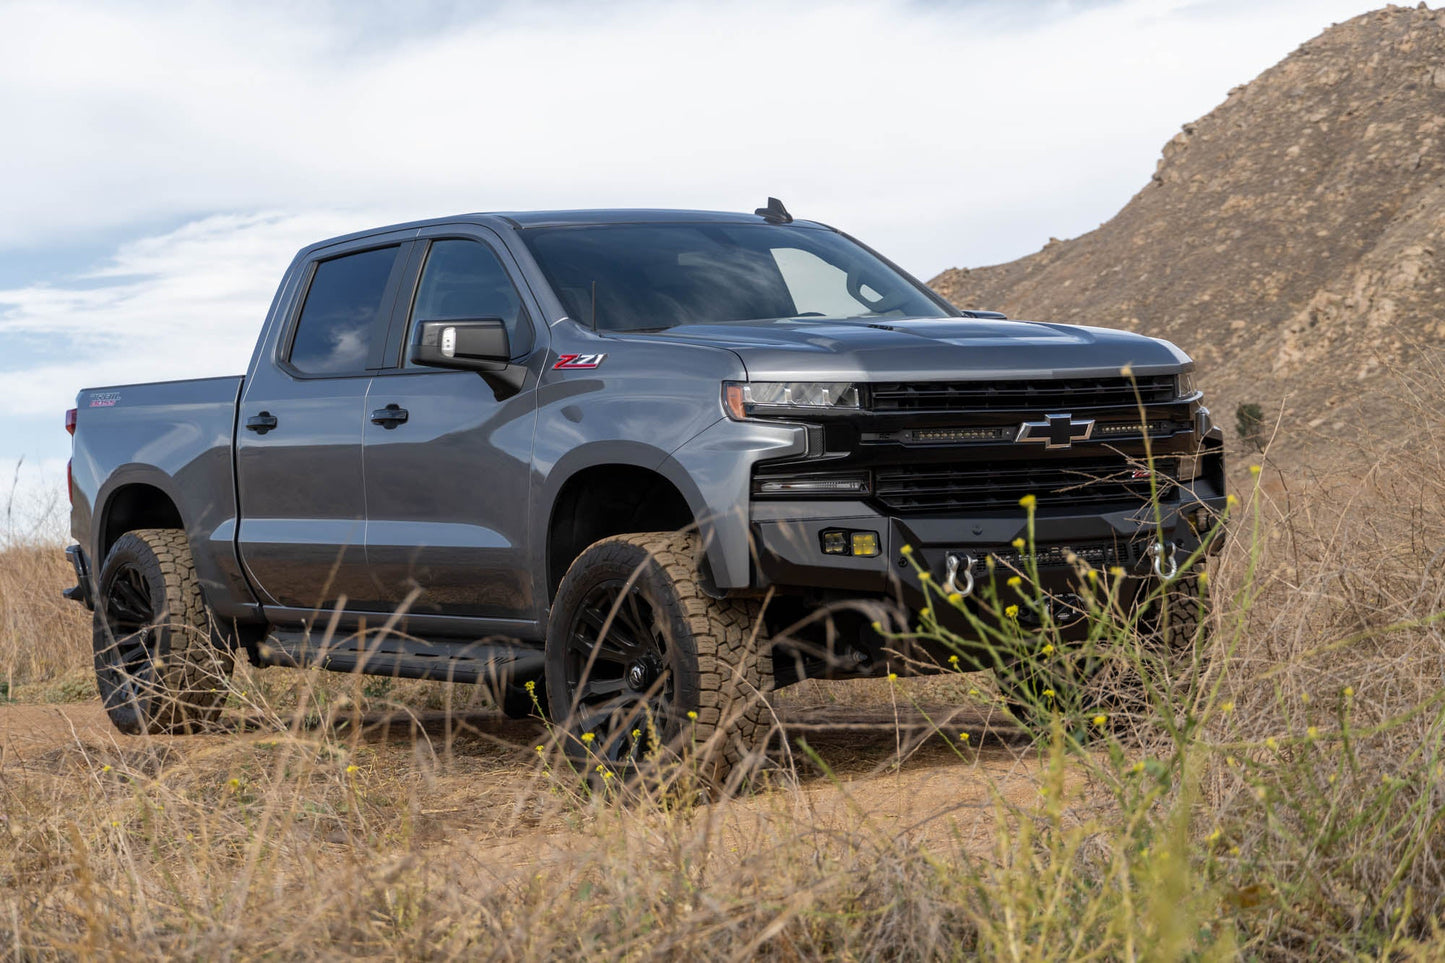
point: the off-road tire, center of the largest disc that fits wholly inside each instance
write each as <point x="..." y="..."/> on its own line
<point x="717" y="660"/>
<point x="1172" y="631"/>
<point x="158" y="666"/>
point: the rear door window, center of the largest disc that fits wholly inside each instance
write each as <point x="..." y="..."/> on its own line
<point x="343" y="307"/>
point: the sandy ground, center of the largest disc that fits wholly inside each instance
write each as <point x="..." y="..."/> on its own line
<point x="875" y="769"/>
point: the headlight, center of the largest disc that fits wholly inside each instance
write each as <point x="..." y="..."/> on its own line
<point x="1184" y="384"/>
<point x="742" y="399"/>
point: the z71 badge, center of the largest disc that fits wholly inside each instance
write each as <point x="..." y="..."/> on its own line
<point x="569" y="362"/>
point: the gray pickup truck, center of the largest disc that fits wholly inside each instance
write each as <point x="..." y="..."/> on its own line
<point x="623" y="455"/>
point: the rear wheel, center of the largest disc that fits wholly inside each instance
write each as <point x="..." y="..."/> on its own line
<point x="644" y="667"/>
<point x="157" y="666"/>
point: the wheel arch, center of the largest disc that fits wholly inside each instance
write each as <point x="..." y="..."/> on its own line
<point x="592" y="500"/>
<point x="131" y="505"/>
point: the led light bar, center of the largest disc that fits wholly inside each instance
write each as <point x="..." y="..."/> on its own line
<point x="1136" y="428"/>
<point x="812" y="485"/>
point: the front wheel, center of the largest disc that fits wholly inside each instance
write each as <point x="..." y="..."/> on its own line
<point x="156" y="664"/>
<point x="643" y="666"/>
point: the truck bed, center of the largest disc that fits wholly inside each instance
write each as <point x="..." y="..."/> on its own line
<point x="175" y="436"/>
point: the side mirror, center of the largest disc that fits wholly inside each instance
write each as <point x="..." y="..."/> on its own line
<point x="471" y="344"/>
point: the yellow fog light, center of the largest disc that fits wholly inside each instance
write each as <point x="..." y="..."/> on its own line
<point x="865" y="543"/>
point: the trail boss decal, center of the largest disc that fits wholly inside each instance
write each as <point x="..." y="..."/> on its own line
<point x="570" y="362"/>
<point x="104" y="399"/>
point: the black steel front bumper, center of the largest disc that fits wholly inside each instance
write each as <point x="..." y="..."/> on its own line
<point x="787" y="538"/>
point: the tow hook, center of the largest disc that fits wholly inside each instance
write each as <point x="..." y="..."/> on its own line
<point x="1165" y="565"/>
<point x="952" y="563"/>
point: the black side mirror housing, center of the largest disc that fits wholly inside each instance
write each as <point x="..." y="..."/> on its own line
<point x="471" y="344"/>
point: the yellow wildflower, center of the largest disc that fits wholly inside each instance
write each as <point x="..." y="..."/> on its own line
<point x="1255" y="470"/>
<point x="1100" y="720"/>
<point x="1048" y="649"/>
<point x="892" y="676"/>
<point x="906" y="550"/>
<point x="1048" y="693"/>
<point x="953" y="660"/>
<point x="1226" y="707"/>
<point x="1028" y="502"/>
<point x="963" y="737"/>
<point x="692" y="714"/>
<point x="1015" y="581"/>
<point x="1019" y="543"/>
<point x="1312" y="732"/>
<point x="588" y="736"/>
<point x="1011" y="611"/>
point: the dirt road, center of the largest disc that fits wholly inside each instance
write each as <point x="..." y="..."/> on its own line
<point x="853" y="764"/>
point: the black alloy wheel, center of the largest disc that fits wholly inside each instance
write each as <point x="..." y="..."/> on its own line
<point x="616" y="668"/>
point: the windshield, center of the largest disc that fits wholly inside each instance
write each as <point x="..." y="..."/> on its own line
<point x="631" y="277"/>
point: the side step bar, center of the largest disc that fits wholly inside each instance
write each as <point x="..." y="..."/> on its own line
<point x="400" y="657"/>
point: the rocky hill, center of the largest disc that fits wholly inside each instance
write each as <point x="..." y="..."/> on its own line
<point x="1289" y="240"/>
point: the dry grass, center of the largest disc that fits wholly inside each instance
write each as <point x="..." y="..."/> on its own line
<point x="1295" y="815"/>
<point x="44" y="639"/>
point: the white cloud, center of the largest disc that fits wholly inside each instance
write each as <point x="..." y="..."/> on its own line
<point x="186" y="304"/>
<point x="33" y="502"/>
<point x="945" y="133"/>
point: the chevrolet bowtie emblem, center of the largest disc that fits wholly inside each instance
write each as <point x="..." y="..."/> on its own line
<point x="1056" y="431"/>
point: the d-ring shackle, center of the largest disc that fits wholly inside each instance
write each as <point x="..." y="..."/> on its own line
<point x="951" y="566"/>
<point x="1163" y="553"/>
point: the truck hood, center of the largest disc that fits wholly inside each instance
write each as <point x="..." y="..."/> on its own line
<point x="925" y="349"/>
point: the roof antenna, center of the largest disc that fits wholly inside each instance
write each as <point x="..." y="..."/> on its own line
<point x="775" y="212"/>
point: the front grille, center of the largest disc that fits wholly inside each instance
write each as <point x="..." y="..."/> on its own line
<point x="1066" y="394"/>
<point x="1099" y="483"/>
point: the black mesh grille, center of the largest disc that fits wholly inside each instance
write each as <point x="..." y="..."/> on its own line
<point x="1069" y="394"/>
<point x="985" y="487"/>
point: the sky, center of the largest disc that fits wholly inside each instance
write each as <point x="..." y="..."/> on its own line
<point x="162" y="162"/>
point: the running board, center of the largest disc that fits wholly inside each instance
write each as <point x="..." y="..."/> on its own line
<point x="404" y="658"/>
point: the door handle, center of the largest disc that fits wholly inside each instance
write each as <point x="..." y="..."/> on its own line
<point x="261" y="423"/>
<point x="390" y="416"/>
